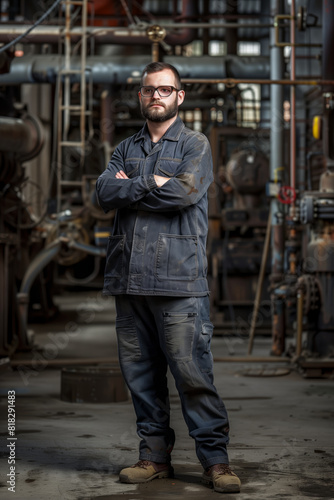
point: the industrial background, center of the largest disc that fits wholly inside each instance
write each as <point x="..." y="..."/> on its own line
<point x="259" y="82"/>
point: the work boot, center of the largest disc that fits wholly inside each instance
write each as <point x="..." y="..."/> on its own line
<point x="222" y="479"/>
<point x="144" y="471"/>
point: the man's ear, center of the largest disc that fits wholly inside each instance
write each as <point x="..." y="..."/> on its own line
<point x="180" y="97"/>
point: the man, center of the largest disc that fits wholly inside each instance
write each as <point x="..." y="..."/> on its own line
<point x="156" y="268"/>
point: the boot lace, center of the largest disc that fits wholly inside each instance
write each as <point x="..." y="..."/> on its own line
<point x="143" y="464"/>
<point x="222" y="469"/>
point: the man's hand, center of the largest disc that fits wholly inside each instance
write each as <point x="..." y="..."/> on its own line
<point x="160" y="180"/>
<point x="121" y="175"/>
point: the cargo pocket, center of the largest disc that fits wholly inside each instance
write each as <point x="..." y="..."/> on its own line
<point x="204" y="354"/>
<point x="128" y="343"/>
<point x="176" y="257"/>
<point x="115" y="254"/>
<point x="179" y="332"/>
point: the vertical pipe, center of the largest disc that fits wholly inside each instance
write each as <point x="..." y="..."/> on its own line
<point x="67" y="81"/>
<point x="293" y="97"/>
<point x="259" y="285"/>
<point x="276" y="136"/>
<point x="59" y="167"/>
<point x="276" y="171"/>
<point x="155" y="51"/>
<point x="231" y="36"/>
<point x="83" y="97"/>
<point x="278" y="345"/>
<point x="276" y="99"/>
<point x="300" y="301"/>
<point x="107" y="126"/>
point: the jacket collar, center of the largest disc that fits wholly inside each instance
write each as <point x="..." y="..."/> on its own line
<point x="172" y="133"/>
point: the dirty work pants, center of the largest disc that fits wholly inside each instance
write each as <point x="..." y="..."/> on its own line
<point x="152" y="333"/>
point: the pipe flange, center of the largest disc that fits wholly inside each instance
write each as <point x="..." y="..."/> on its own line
<point x="156" y="33"/>
<point x="307" y="210"/>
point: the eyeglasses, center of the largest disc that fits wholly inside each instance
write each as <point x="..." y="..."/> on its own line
<point x="163" y="91"/>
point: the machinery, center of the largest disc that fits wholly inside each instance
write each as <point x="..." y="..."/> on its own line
<point x="259" y="83"/>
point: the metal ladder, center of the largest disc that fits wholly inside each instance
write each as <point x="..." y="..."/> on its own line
<point x="66" y="109"/>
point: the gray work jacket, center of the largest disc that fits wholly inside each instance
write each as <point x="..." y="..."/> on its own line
<point x="158" y="242"/>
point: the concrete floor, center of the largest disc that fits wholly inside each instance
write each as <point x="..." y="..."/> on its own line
<point x="282" y="433"/>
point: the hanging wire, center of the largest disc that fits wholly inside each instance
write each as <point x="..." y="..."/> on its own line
<point x="127" y="10"/>
<point x="39" y="21"/>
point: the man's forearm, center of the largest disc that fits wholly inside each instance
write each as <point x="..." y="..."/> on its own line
<point x="158" y="178"/>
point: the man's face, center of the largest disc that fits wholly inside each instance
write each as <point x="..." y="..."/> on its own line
<point x="156" y="108"/>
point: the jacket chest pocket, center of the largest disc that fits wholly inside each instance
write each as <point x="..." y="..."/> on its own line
<point x="115" y="257"/>
<point x="132" y="167"/>
<point x="176" y="257"/>
<point x="167" y="167"/>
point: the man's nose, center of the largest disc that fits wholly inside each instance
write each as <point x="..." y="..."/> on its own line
<point x="155" y="91"/>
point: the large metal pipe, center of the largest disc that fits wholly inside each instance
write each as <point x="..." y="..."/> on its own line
<point x="35" y="267"/>
<point x="117" y="70"/>
<point x="24" y="136"/>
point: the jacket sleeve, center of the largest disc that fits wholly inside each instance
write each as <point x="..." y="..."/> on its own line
<point x="189" y="183"/>
<point x="118" y="193"/>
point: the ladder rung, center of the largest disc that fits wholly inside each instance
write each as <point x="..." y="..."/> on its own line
<point x="74" y="2"/>
<point x="70" y="183"/>
<point x="71" y="107"/>
<point x="77" y="113"/>
<point x="72" y="143"/>
<point x="71" y="71"/>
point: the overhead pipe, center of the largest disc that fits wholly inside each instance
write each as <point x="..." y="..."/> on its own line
<point x="132" y="35"/>
<point x="118" y="70"/>
<point x="119" y="35"/>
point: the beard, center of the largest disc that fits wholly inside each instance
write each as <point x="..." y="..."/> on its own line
<point x="159" y="115"/>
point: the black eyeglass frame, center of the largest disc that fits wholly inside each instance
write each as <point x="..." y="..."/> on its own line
<point x="157" y="89"/>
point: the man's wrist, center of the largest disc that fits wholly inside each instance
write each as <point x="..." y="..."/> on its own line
<point x="151" y="182"/>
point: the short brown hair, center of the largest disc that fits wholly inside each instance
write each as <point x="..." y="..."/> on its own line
<point x="155" y="67"/>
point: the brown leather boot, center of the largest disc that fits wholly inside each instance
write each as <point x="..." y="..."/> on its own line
<point x="144" y="471"/>
<point x="222" y="479"/>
